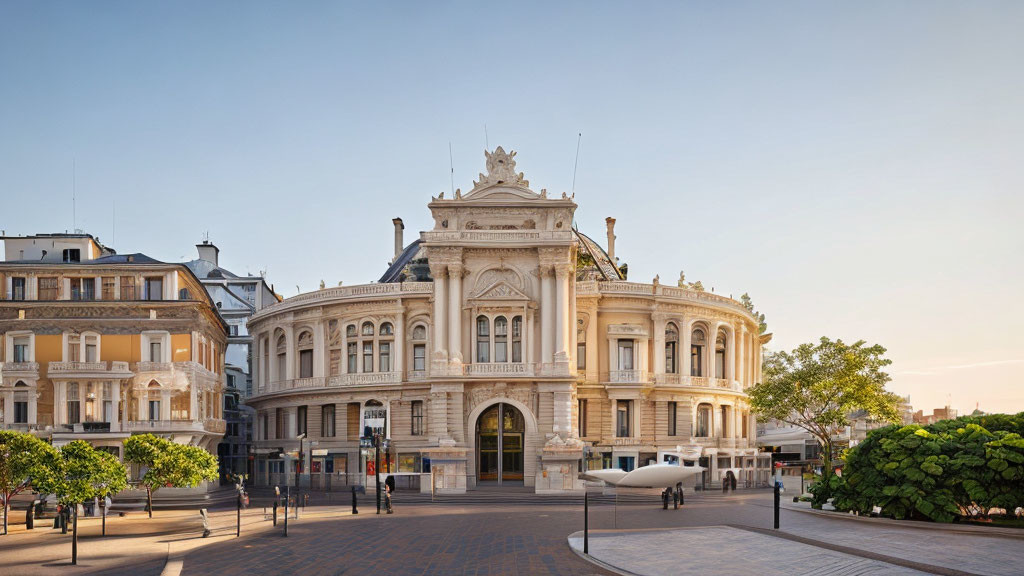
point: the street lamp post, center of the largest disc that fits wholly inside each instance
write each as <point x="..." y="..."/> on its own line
<point x="376" y="466"/>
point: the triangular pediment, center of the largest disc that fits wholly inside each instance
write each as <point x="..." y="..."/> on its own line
<point x="501" y="290"/>
<point x="501" y="191"/>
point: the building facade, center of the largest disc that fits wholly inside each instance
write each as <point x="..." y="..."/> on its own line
<point x="97" y="346"/>
<point x="236" y="298"/>
<point x="504" y="346"/>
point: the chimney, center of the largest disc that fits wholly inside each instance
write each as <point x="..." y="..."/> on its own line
<point x="399" y="244"/>
<point x="208" y="252"/>
<point x="611" y="237"/>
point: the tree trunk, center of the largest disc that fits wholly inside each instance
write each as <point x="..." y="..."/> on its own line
<point x="149" y="500"/>
<point x="7" y="509"/>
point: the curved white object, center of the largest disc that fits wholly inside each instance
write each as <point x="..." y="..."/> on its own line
<point x="653" y="476"/>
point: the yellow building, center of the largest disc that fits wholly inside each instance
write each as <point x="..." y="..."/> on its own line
<point x="98" y="346"/>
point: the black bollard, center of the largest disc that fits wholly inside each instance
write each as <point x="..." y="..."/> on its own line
<point x="74" y="538"/>
<point x="238" y="525"/>
<point x="664" y="498"/>
<point x="354" y="509"/>
<point x="275" y="512"/>
<point x="64" y="520"/>
<point x="29" y="517"/>
<point x="586" y="522"/>
<point x="777" y="497"/>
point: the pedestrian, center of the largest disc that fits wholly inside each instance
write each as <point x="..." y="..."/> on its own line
<point x="732" y="481"/>
<point x="206" y="522"/>
<point x="389" y="487"/>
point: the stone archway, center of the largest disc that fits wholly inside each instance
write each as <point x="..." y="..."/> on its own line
<point x="517" y="445"/>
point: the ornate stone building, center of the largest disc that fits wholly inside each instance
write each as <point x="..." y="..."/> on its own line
<point x="503" y="346"/>
<point x="97" y="346"/>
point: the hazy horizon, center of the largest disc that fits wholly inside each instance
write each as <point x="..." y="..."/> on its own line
<point x="854" y="168"/>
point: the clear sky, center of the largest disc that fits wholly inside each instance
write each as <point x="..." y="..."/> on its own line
<point x="857" y="168"/>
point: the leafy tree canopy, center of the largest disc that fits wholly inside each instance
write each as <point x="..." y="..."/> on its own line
<point x="749" y="305"/>
<point x="168" y="463"/>
<point x="817" y="387"/>
<point x="80" y="473"/>
<point x="24" y="459"/>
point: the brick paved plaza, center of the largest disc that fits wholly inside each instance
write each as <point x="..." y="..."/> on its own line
<point x="528" y="537"/>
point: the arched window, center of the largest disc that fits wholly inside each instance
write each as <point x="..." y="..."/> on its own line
<point x="483" y="339"/>
<point x="387" y="333"/>
<point x="21" y="393"/>
<point x="367" y="328"/>
<point x="352" y="349"/>
<point x="500" y="339"/>
<point x="703" y="427"/>
<point x="154" y="400"/>
<point x="350" y="330"/>
<point x="305" y="354"/>
<point x="517" y="338"/>
<point x="720" y="341"/>
<point x="671" y="349"/>
<point x="698" y="341"/>
<point x="419" y="348"/>
<point x="74" y="348"/>
<point x="282" y="358"/>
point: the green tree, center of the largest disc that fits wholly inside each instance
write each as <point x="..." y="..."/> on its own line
<point x="169" y="464"/>
<point x="24" y="459"/>
<point x="816" y="387"/>
<point x="80" y="473"/>
<point x="749" y="305"/>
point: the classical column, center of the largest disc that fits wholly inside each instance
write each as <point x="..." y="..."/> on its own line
<point x="343" y="368"/>
<point x="562" y="310"/>
<point x="659" y="344"/>
<point x="289" y="352"/>
<point x="165" y="405"/>
<point x="613" y="360"/>
<point x="455" y="270"/>
<point x="59" y="403"/>
<point x="742" y="355"/>
<point x="528" y="336"/>
<point x="439" y="318"/>
<point x="593" y="369"/>
<point x="319" y="344"/>
<point x="730" y="355"/>
<point x="398" y="360"/>
<point x="547" y="314"/>
<point x="641" y="362"/>
<point x="712" y="352"/>
<point x="8" y="412"/>
<point x="115" y="401"/>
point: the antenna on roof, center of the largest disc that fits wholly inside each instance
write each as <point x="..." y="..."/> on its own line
<point x="451" y="164"/>
<point x="113" y="222"/>
<point x="74" y="186"/>
<point x="576" y="163"/>
<point x="487" y="142"/>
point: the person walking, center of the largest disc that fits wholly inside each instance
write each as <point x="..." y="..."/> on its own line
<point x="389" y="487"/>
<point x="206" y="522"/>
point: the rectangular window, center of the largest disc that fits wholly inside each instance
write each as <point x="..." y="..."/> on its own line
<point x="417" y="417"/>
<point x="21" y="349"/>
<point x="83" y="289"/>
<point x="625" y="354"/>
<point x="327" y="421"/>
<point x="483" y="340"/>
<point x="155" y="351"/>
<point x="624" y="418"/>
<point x="74" y="412"/>
<point x="91" y="352"/>
<point x="20" y="412"/>
<point x="745" y="424"/>
<point x="154" y="289"/>
<point x="154" y="409"/>
<point x="72" y="255"/>
<point x="581" y="417"/>
<point x="500" y="340"/>
<point x="108" y="411"/>
<point x="670" y="357"/>
<point x="278" y="423"/>
<point x="367" y="356"/>
<point x="49" y="288"/>
<point x="353" y="358"/>
<point x="17" y="288"/>
<point x="128" y="288"/>
<point x="385" y="357"/>
<point x="107" y="285"/>
<point x="703" y="421"/>
<point x="305" y="363"/>
<point x="581" y="355"/>
<point x="672" y="418"/>
<point x="720" y="364"/>
<point x="725" y="421"/>
<point x="300" y="424"/>
<point x="419" y="357"/>
<point x="517" y="339"/>
<point x="73" y="349"/>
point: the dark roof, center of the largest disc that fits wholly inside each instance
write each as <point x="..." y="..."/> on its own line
<point x="137" y="258"/>
<point x="206" y="269"/>
<point x="609" y="270"/>
<point x="395" y="270"/>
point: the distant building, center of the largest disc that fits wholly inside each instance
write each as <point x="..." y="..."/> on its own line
<point x="237" y="298"/>
<point x="97" y="346"/>
<point x="946" y="413"/>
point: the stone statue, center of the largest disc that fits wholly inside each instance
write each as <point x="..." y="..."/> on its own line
<point x="657" y="280"/>
<point x="458" y="193"/>
<point x="682" y="279"/>
<point x="322" y="285"/>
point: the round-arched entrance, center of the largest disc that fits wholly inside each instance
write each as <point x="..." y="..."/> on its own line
<point x="500" y="434"/>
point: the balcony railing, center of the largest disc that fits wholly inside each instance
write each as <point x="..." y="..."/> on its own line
<point x="365" y="378"/>
<point x="64" y="368"/>
<point x="498" y="369"/>
<point x="629" y="376"/>
<point x="20" y="367"/>
<point x="417" y="375"/>
<point x="163" y="426"/>
<point x="154" y="366"/>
